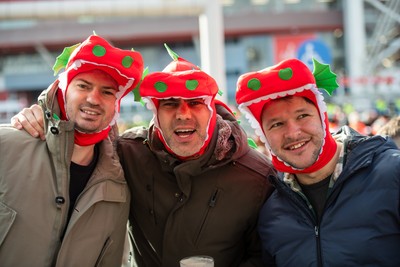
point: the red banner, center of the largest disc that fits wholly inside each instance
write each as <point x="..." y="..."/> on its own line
<point x="286" y="46"/>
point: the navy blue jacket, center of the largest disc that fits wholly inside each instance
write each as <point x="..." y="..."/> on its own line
<point x="360" y="224"/>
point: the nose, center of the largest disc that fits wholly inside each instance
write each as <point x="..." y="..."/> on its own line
<point x="292" y="130"/>
<point x="94" y="96"/>
<point x="183" y="112"/>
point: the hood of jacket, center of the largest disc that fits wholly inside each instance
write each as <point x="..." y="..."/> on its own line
<point x="355" y="156"/>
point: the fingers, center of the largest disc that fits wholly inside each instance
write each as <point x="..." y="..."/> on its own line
<point x="38" y="112"/>
<point x="15" y="122"/>
<point x="31" y="120"/>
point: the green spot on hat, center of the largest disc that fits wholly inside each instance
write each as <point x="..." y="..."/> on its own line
<point x="191" y="84"/>
<point x="160" y="87"/>
<point x="98" y="50"/>
<point x="127" y="61"/>
<point x="286" y="74"/>
<point x="254" y="84"/>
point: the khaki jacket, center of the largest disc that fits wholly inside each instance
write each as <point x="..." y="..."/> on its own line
<point x="34" y="182"/>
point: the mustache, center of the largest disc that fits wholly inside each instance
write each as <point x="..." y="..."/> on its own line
<point x="185" y="124"/>
<point x="91" y="106"/>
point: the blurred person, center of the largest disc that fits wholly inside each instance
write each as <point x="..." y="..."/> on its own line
<point x="333" y="124"/>
<point x="336" y="201"/>
<point x="391" y="129"/>
<point x="197" y="187"/>
<point x="65" y="202"/>
<point x="378" y="123"/>
<point x="355" y="122"/>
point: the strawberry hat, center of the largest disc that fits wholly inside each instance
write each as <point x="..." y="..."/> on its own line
<point x="180" y="79"/>
<point x="288" y="78"/>
<point x="124" y="66"/>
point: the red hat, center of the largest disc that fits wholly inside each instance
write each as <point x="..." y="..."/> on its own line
<point x="180" y="79"/>
<point x="290" y="77"/>
<point x="124" y="66"/>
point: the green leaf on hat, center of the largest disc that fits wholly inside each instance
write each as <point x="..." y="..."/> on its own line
<point x="324" y="77"/>
<point x="251" y="143"/>
<point x="62" y="59"/>
<point x="135" y="91"/>
<point x="172" y="54"/>
<point x="136" y="94"/>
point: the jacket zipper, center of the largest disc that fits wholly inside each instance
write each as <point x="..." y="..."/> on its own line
<point x="213" y="198"/>
<point x="313" y="219"/>
<point x="211" y="204"/>
<point x="301" y="200"/>
<point x="317" y="227"/>
<point x="332" y="193"/>
<point x="318" y="241"/>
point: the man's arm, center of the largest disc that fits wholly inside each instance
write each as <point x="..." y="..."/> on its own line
<point x="30" y="120"/>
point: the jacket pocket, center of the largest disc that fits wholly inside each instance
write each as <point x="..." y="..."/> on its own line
<point x="7" y="218"/>
<point x="103" y="252"/>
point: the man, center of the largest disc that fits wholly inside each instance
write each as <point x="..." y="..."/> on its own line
<point x="65" y="202"/>
<point x="203" y="186"/>
<point x="337" y="200"/>
<point x="391" y="129"/>
<point x="196" y="185"/>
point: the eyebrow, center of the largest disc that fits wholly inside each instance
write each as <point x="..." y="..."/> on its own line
<point x="175" y="100"/>
<point x="194" y="99"/>
<point x="302" y="110"/>
<point x="179" y="99"/>
<point x="269" y="122"/>
<point x="297" y="111"/>
<point x="112" y="87"/>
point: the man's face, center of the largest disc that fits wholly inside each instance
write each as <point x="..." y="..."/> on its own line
<point x="184" y="124"/>
<point x="90" y="101"/>
<point x="293" y="130"/>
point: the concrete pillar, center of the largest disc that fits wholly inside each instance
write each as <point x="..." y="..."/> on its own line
<point x="355" y="45"/>
<point x="212" y="42"/>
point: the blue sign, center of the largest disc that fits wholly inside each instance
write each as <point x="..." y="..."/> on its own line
<point x="314" y="49"/>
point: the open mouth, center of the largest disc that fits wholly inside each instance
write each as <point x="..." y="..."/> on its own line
<point x="184" y="133"/>
<point x="88" y="112"/>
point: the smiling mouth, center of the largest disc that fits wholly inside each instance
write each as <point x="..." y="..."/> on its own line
<point x="296" y="146"/>
<point x="184" y="133"/>
<point x="90" y="112"/>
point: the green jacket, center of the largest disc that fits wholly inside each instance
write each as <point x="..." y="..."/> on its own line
<point x="34" y="181"/>
<point x="199" y="207"/>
